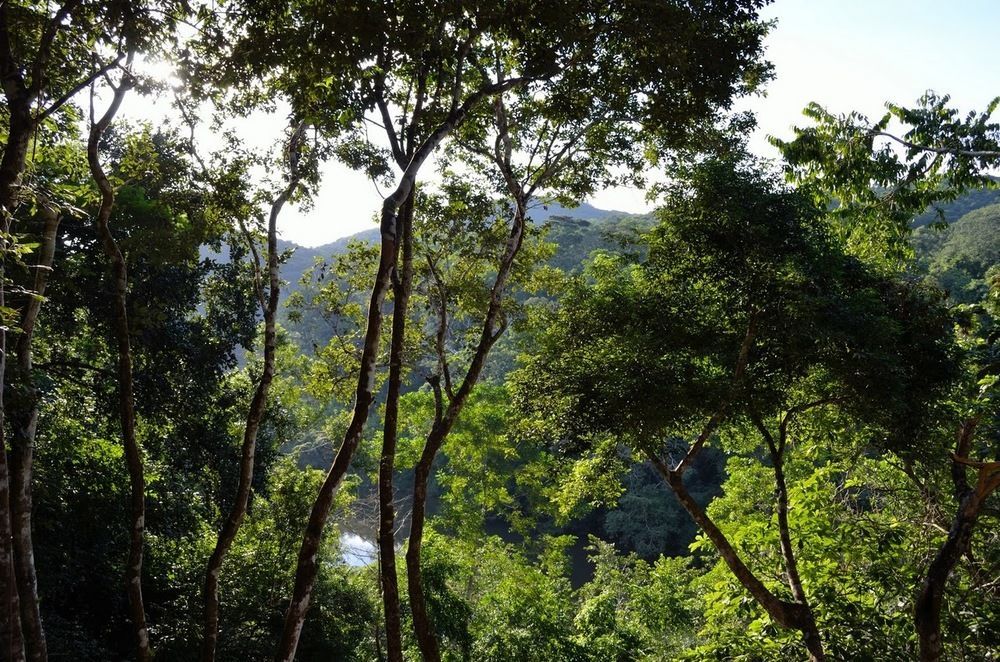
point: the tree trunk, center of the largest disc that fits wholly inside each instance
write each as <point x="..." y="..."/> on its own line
<point x="389" y="581"/>
<point x="787" y="614"/>
<point x="810" y="632"/>
<point x="11" y="625"/>
<point x="927" y="610"/>
<point x="20" y="128"/>
<point x="258" y="405"/>
<point x="126" y="397"/>
<point x="422" y="626"/>
<point x="307" y="566"/>
<point x="308" y="563"/>
<point x="23" y="413"/>
<point x="12" y="165"/>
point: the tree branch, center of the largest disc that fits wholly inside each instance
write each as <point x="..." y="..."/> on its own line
<point x="948" y="151"/>
<point x="45" y="47"/>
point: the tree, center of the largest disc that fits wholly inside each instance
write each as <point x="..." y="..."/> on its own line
<point x="188" y="315"/>
<point x="568" y="43"/>
<point x="978" y="415"/>
<point x="745" y="311"/>
<point x="43" y="65"/>
<point x="878" y="180"/>
<point x="126" y="395"/>
<point x="298" y="168"/>
<point x="879" y="188"/>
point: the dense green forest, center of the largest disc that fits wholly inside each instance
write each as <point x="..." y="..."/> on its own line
<point x="761" y="422"/>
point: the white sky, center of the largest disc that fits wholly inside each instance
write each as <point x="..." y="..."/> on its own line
<point x="845" y="54"/>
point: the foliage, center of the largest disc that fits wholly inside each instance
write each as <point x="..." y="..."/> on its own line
<point x="746" y="302"/>
<point x="877" y="181"/>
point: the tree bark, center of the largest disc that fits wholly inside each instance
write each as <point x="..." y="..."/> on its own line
<point x="19" y="129"/>
<point x="255" y="414"/>
<point x="401" y="287"/>
<point x="23" y="414"/>
<point x="927" y="610"/>
<point x="126" y="396"/>
<point x="445" y="419"/>
<point x="11" y="166"/>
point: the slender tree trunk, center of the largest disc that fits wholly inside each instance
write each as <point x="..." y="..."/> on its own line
<point x="20" y="129"/>
<point x="10" y="629"/>
<point x="308" y="566"/>
<point x="927" y="610"/>
<point x="23" y="413"/>
<point x="12" y="642"/>
<point x="126" y="396"/>
<point x="787" y="614"/>
<point x="422" y="625"/>
<point x="389" y="581"/>
<point x="810" y="632"/>
<point x="308" y="562"/>
<point x="258" y="405"/>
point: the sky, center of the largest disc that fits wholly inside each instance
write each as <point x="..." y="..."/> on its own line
<point x="844" y="54"/>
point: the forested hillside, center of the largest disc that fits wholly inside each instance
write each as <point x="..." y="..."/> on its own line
<point x="760" y="422"/>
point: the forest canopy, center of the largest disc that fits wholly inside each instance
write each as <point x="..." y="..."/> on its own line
<point x="761" y="422"/>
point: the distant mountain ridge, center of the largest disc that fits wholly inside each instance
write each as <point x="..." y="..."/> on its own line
<point x="303" y="257"/>
<point x="580" y="230"/>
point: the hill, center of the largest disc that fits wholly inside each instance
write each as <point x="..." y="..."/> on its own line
<point x="576" y="231"/>
<point x="962" y="205"/>
<point x="959" y="256"/>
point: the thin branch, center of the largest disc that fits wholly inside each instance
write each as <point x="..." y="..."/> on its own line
<point x="563" y="154"/>
<point x="390" y="131"/>
<point x="798" y="409"/>
<point x="45" y="47"/>
<point x="947" y="151"/>
<point x="963" y="444"/>
<point x="772" y="446"/>
<point x="463" y="52"/>
<point x="435" y="383"/>
<point x="79" y="365"/>
<point x="257" y="264"/>
<point x="442" y="329"/>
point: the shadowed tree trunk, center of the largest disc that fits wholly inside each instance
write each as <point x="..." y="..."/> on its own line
<point x="401" y="287"/>
<point x="10" y="628"/>
<point x="19" y="129"/>
<point x="776" y="450"/>
<point x="25" y="84"/>
<point x="791" y="615"/>
<point x="126" y="396"/>
<point x="258" y="405"/>
<point x="444" y="420"/>
<point x="927" y="610"/>
<point x="446" y="414"/>
<point x="23" y="413"/>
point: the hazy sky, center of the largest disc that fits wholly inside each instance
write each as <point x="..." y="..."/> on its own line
<point x="845" y="54"/>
